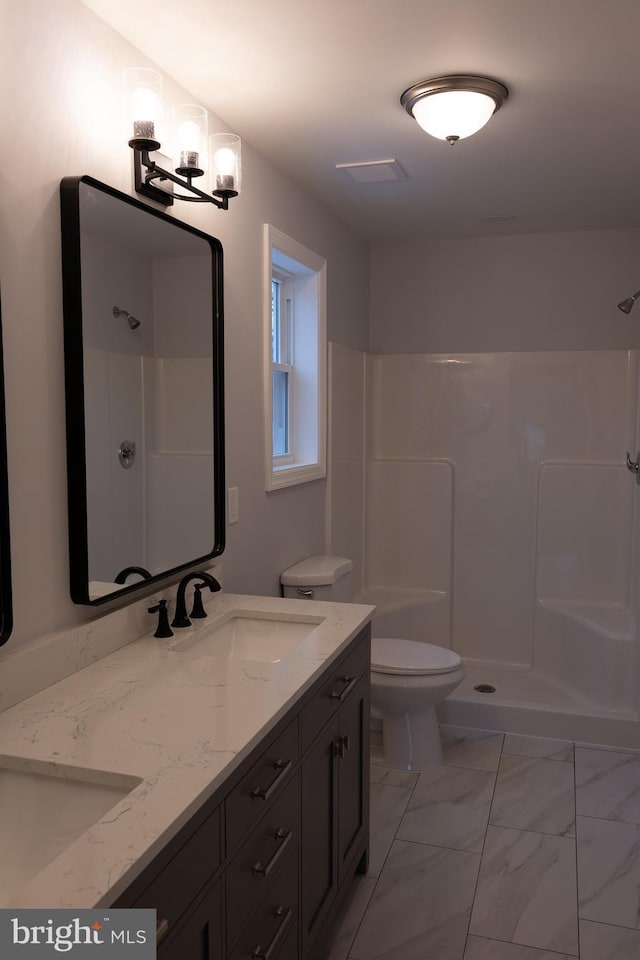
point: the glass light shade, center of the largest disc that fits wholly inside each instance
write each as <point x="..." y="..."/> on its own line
<point x="453" y="114"/>
<point x="190" y="123"/>
<point x="143" y="106"/>
<point x="225" y="152"/>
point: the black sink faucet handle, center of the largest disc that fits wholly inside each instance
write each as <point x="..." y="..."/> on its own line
<point x="181" y="619"/>
<point x="163" y="629"/>
<point x="198" y="612"/>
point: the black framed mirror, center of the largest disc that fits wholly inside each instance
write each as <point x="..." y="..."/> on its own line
<point x="144" y="366"/>
<point x="6" y="604"/>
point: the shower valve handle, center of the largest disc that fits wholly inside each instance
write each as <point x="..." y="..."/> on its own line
<point x="634" y="465"/>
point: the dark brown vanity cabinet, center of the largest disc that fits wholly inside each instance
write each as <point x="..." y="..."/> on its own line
<point x="255" y="873"/>
<point x="335" y="809"/>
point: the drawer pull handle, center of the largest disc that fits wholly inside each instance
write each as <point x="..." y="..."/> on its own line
<point x="287" y="914"/>
<point x="341" y="745"/>
<point x="162" y="930"/>
<point x="286" y="836"/>
<point x="348" y="684"/>
<point x="283" y="767"/>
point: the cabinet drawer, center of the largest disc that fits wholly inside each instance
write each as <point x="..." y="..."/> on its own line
<point x="336" y="689"/>
<point x="247" y="802"/>
<point x="181" y="881"/>
<point x="257" y="863"/>
<point x="270" y="928"/>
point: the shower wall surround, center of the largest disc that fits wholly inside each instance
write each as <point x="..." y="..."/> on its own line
<point x="495" y="487"/>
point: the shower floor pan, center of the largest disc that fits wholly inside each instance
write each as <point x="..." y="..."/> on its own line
<point x="529" y="703"/>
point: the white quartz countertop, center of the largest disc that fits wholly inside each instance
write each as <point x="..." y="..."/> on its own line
<point x="177" y="722"/>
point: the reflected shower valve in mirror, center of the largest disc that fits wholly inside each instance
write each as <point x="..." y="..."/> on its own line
<point x="127" y="453"/>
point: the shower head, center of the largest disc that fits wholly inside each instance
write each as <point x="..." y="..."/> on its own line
<point x="133" y="322"/>
<point x="627" y="305"/>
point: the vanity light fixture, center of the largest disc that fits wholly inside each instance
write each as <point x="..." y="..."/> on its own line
<point x="143" y="104"/>
<point x="451" y="108"/>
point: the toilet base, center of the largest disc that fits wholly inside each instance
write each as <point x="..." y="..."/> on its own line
<point x="411" y="741"/>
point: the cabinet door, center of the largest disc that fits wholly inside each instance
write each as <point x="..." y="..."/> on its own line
<point x="353" y="775"/>
<point x="319" y="868"/>
<point x="200" y="937"/>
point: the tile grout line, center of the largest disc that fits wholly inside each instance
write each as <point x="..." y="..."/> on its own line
<point x="484" y="841"/>
<point x="377" y="879"/>
<point x="575" y="804"/>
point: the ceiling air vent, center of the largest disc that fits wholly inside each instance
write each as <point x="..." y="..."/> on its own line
<point x="374" y="171"/>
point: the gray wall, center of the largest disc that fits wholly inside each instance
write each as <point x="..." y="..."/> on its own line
<point x="528" y="292"/>
<point x="60" y="115"/>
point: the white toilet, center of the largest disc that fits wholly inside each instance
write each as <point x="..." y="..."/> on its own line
<point x="408" y="678"/>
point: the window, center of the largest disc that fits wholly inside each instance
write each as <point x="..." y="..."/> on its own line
<point x="295" y="368"/>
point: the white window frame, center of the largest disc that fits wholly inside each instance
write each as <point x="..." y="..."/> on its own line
<point x="305" y="275"/>
<point x="286" y="350"/>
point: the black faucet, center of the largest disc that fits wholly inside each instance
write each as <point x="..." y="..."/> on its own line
<point x="122" y="576"/>
<point x="181" y="619"/>
<point x="163" y="629"/>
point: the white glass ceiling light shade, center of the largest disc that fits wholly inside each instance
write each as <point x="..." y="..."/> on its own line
<point x="143" y="107"/>
<point x="452" y="108"/>
<point x="226" y="163"/>
<point x="190" y="122"/>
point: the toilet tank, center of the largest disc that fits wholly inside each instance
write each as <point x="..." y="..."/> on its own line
<point x="318" y="578"/>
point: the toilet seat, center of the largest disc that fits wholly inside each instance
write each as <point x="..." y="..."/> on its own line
<point x="411" y="658"/>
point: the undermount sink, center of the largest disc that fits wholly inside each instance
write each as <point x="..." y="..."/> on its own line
<point x="250" y="635"/>
<point x="44" y="808"/>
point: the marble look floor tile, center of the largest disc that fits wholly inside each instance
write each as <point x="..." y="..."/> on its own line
<point x="608" y="785"/>
<point x="393" y="778"/>
<point x="342" y="932"/>
<point x="600" y="941"/>
<point x="527" y="891"/>
<point x="479" y="948"/>
<point x="421" y="905"/>
<point x="449" y="807"/>
<point x="538" y="747"/>
<point x="609" y="871"/>
<point x="475" y="749"/>
<point x="534" y="794"/>
<point x="388" y="804"/>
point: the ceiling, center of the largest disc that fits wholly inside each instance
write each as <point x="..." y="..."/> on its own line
<point x="313" y="83"/>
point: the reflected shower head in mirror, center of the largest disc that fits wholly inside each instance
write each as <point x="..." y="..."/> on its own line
<point x="133" y="322"/>
<point x="627" y="305"/>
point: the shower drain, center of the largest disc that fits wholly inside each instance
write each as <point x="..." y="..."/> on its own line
<point x="484" y="688"/>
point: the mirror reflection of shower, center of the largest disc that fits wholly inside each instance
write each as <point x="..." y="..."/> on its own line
<point x="133" y="322"/>
<point x="627" y="305"/>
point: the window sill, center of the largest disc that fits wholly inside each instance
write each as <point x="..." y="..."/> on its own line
<point x="292" y="473"/>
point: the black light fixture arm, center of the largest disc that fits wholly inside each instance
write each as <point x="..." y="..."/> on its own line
<point x="153" y="171"/>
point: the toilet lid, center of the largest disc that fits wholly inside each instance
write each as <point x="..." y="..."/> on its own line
<point x="411" y="657"/>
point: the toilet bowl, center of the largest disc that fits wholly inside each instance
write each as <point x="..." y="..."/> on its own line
<point x="408" y="680"/>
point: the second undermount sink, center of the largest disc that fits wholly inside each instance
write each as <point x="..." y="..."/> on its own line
<point x="250" y="635"/>
<point x="44" y="808"/>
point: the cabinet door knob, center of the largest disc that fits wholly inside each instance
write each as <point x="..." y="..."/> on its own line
<point x="287" y="914"/>
<point x="341" y="745"/>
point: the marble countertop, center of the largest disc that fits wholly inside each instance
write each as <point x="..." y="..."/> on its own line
<point x="176" y="723"/>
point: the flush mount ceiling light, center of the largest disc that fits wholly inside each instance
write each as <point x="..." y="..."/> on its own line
<point x="451" y="108"/>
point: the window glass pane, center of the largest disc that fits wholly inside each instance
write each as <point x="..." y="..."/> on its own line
<point x="275" y="321"/>
<point x="280" y="417"/>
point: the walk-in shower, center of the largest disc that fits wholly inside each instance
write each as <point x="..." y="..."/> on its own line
<point x="499" y="520"/>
